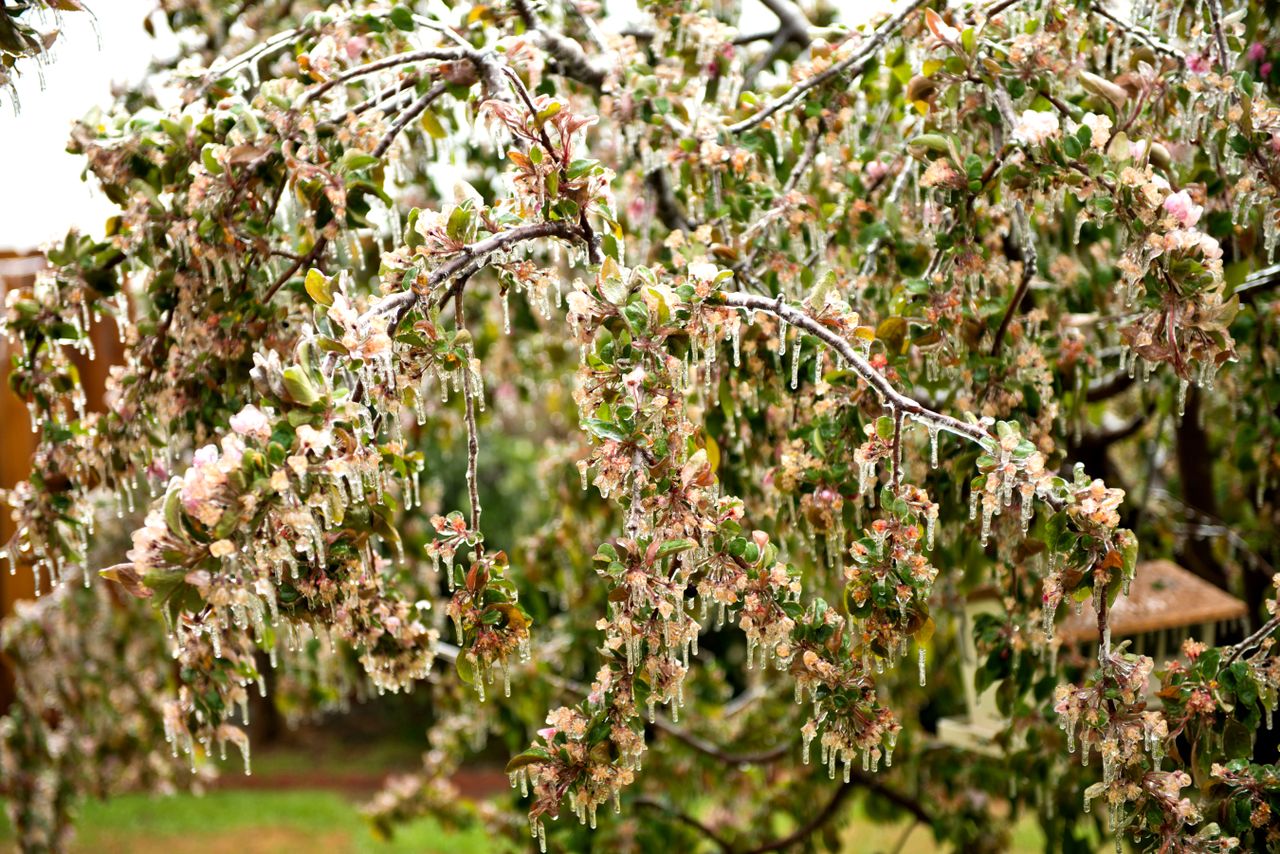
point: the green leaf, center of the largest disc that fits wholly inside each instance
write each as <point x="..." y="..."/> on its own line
<point x="604" y="429"/>
<point x="318" y="287"/>
<point x="402" y="18"/>
<point x="532" y="756"/>
<point x="298" y="384"/>
<point x="671" y="547"/>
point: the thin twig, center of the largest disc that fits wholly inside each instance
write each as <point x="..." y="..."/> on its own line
<point x="760" y="757"/>
<point x="1219" y="37"/>
<point x="683" y="818"/>
<point x="439" y="54"/>
<point x="1252" y="640"/>
<point x="780" y="203"/>
<point x="1139" y="34"/>
<point x="414" y="110"/>
<point x="309" y="259"/>
<point x="853" y="63"/>
<point x="891" y="396"/>
<point x="385" y="97"/>
<point x="1027" y="243"/>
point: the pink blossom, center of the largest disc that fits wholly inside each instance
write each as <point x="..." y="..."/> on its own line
<point x="875" y="170"/>
<point x="356" y="46"/>
<point x="548" y="733"/>
<point x="1198" y="64"/>
<point x="1180" y="206"/>
<point x="1264" y="70"/>
<point x="1256" y="52"/>
<point x="251" y="421"/>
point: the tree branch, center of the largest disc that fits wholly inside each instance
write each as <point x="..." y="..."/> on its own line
<point x="760" y="757"/>
<point x="666" y="206"/>
<point x="853" y="63"/>
<point x="1252" y="640"/>
<point x="1219" y="37"/>
<point x="891" y="396"/>
<point x="857" y="779"/>
<point x="470" y="260"/>
<point x="571" y="60"/>
<point x="1027" y="243"/>
<point x="1139" y="34"/>
<point x="683" y="818"/>
<point x="438" y="54"/>
<point x="309" y="259"/>
<point x="414" y="110"/>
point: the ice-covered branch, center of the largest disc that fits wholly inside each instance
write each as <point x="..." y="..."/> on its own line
<point x="892" y="398"/>
<point x="854" y="63"/>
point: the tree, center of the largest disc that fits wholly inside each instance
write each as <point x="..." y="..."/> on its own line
<point x="21" y="40"/>
<point x="851" y="317"/>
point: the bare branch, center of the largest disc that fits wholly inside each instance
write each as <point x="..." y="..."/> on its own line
<point x="1253" y="641"/>
<point x="1027" y="243"/>
<point x="891" y="396"/>
<point x="1219" y="37"/>
<point x="1139" y="34"/>
<point x="437" y="54"/>
<point x="414" y="110"/>
<point x="853" y="63"/>
<point x="761" y="757"/>
<point x="683" y="818"/>
<point x="571" y="60"/>
<point x="309" y="259"/>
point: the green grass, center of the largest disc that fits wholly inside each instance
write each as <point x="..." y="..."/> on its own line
<point x="266" y="821"/>
<point x="252" y="822"/>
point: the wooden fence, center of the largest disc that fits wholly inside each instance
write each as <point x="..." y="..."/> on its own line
<point x="17" y="439"/>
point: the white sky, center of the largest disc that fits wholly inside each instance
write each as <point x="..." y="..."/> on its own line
<point x="41" y="192"/>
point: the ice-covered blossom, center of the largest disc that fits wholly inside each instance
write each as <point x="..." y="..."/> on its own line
<point x="1180" y="206"/>
<point x="251" y="421"/>
<point x="1035" y="126"/>
<point x="1099" y="126"/>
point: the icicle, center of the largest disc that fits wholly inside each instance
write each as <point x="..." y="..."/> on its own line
<point x="920" y="662"/>
<point x="795" y="364"/>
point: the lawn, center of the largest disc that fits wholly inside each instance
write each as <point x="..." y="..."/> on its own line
<point x="251" y="822"/>
<point x="230" y="821"/>
<point x="286" y="811"/>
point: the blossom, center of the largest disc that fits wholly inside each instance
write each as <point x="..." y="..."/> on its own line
<point x="1198" y="64"/>
<point x="222" y="548"/>
<point x="1182" y="209"/>
<point x="1034" y="127"/>
<point x="1100" y="126"/>
<point x="703" y="271"/>
<point x="311" y="439"/>
<point x="251" y="421"/>
<point x="1256" y="52"/>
